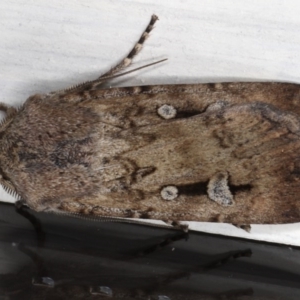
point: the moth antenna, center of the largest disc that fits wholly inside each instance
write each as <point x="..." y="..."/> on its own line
<point x="134" y="51"/>
<point x="120" y="66"/>
<point x="131" y="71"/>
<point x="93" y="83"/>
<point x="110" y="219"/>
<point x="9" y="188"/>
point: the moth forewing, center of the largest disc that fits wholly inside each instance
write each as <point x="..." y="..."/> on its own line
<point x="217" y="152"/>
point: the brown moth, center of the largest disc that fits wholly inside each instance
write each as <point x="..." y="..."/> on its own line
<point x="216" y="152"/>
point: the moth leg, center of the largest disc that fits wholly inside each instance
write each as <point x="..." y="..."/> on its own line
<point x="170" y="239"/>
<point x="178" y="225"/>
<point x="246" y="227"/>
<point x="22" y="209"/>
<point x="221" y="259"/>
<point x="42" y="278"/>
<point x="134" y="51"/>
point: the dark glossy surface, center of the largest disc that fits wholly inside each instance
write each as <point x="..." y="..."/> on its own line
<point x="79" y="259"/>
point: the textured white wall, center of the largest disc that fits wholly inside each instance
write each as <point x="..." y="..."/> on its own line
<point x="49" y="45"/>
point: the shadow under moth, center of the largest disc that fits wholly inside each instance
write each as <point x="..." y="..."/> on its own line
<point x="216" y="152"/>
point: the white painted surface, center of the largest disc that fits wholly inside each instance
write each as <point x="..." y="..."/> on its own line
<point x="49" y="45"/>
